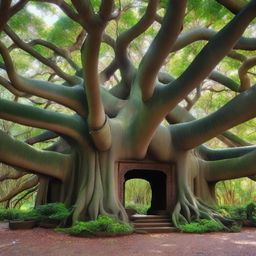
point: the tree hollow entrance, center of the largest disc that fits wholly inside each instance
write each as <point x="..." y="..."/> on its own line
<point x="161" y="179"/>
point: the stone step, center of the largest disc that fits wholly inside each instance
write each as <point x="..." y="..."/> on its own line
<point x="155" y="230"/>
<point x="151" y="220"/>
<point x="152" y="224"/>
<point x="147" y="217"/>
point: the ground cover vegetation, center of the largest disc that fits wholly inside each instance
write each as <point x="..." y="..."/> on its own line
<point x="119" y="80"/>
<point x="103" y="224"/>
<point x="48" y="212"/>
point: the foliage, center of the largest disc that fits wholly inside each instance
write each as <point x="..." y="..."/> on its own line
<point x="140" y="209"/>
<point x="52" y="211"/>
<point x="137" y="192"/>
<point x="244" y="214"/>
<point x="201" y="226"/>
<point x="251" y="213"/>
<point x="64" y="26"/>
<point x="235" y="228"/>
<point x="234" y="212"/>
<point x="17" y="214"/>
<point x="240" y="214"/>
<point x="102" y="224"/>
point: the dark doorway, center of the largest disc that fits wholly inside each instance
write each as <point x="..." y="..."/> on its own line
<point x="157" y="181"/>
<point x="161" y="179"/>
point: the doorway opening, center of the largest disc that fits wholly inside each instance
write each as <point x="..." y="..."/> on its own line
<point x="160" y="176"/>
<point x="157" y="181"/>
<point x="138" y="195"/>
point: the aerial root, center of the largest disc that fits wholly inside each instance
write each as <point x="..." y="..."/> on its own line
<point x="189" y="208"/>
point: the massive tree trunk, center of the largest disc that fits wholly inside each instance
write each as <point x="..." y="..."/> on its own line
<point x="124" y="122"/>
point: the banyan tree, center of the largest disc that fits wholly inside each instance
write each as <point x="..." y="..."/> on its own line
<point x="105" y="97"/>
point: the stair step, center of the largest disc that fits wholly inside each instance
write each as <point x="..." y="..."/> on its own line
<point x="151" y="220"/>
<point x="152" y="224"/>
<point x="149" y="217"/>
<point x="155" y="230"/>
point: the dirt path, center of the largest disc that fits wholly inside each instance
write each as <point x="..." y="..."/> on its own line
<point x="42" y="242"/>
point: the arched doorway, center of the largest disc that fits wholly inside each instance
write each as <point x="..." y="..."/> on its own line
<point x="161" y="179"/>
<point x="137" y="195"/>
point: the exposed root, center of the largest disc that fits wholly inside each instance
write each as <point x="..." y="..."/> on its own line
<point x="189" y="208"/>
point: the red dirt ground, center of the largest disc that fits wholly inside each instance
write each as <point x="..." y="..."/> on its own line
<point x="43" y="242"/>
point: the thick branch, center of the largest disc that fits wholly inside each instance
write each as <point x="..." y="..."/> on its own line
<point x="221" y="154"/>
<point x="181" y="115"/>
<point x="90" y="54"/>
<point x="224" y="80"/>
<point x="129" y="35"/>
<point x="71" y="97"/>
<point x="166" y="37"/>
<point x="18" y="6"/>
<point x="106" y="9"/>
<point x="5" y="83"/>
<point x="197" y="34"/>
<point x="240" y="109"/>
<point x="97" y="121"/>
<point x="237" y="141"/>
<point x="4" y="10"/>
<point x="238" y="167"/>
<point x="208" y="58"/>
<point x="233" y="5"/>
<point x="19" y="154"/>
<point x="72" y="126"/>
<point x="86" y="13"/>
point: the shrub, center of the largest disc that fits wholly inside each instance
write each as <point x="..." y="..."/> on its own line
<point x="102" y="224"/>
<point x="234" y="212"/>
<point x="52" y="211"/>
<point x="17" y="214"/>
<point x="201" y="226"/>
<point x="251" y="213"/>
<point x="235" y="228"/>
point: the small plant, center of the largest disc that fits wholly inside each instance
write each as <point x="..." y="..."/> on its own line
<point x="201" y="226"/>
<point x="102" y="224"/>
